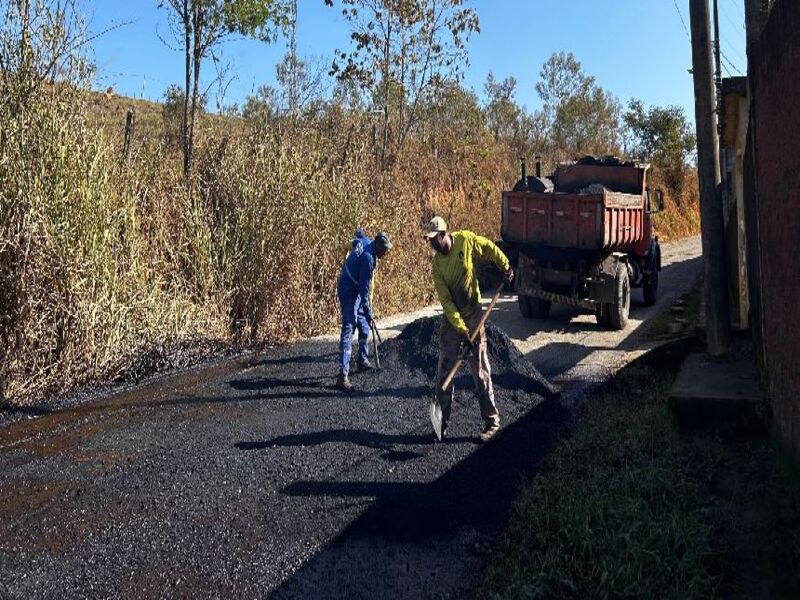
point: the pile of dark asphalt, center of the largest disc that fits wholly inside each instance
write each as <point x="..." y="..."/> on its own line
<point x="265" y="480"/>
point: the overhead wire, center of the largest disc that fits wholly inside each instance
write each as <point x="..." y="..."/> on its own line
<point x="736" y="27"/>
<point x="734" y="67"/>
<point x="732" y="48"/>
<point x="738" y="7"/>
<point x="683" y="22"/>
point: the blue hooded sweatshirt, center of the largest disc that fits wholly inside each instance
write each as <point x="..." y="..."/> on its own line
<point x="356" y="277"/>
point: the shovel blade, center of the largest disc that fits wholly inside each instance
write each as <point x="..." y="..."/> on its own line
<point x="436" y="418"/>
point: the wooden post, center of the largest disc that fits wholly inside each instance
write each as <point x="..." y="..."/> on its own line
<point x="714" y="268"/>
<point x="130" y="121"/>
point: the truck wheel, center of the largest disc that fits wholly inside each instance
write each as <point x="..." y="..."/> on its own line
<point x="602" y="313"/>
<point x="533" y="308"/>
<point x="650" y="288"/>
<point x="618" y="312"/>
<point x="525" y="306"/>
<point x="540" y="309"/>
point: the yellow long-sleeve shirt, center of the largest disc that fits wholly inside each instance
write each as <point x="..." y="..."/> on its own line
<point x="455" y="278"/>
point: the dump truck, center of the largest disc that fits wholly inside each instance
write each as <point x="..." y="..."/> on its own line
<point x="584" y="237"/>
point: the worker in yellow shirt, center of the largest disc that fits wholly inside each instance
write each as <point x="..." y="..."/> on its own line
<point x="456" y="284"/>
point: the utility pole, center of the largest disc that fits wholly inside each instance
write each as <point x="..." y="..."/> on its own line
<point x="714" y="268"/>
<point x="718" y="69"/>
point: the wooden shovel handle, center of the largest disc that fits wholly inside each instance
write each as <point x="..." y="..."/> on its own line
<point x="472" y="337"/>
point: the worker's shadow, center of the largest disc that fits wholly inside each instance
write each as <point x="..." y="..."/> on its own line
<point x="293" y="359"/>
<point x="368" y="439"/>
<point x="314" y="388"/>
<point x="254" y="384"/>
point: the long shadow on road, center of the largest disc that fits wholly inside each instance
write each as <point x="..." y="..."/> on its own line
<point x="392" y="549"/>
<point x="369" y="439"/>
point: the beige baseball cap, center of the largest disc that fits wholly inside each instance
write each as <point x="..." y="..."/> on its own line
<point x="435" y="226"/>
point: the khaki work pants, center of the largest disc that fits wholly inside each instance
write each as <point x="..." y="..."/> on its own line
<point x="478" y="361"/>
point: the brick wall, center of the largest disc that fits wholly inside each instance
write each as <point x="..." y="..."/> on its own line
<point x="776" y="92"/>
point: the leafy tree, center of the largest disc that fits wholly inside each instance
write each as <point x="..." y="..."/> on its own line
<point x="400" y="48"/>
<point x="661" y="134"/>
<point x="348" y="94"/>
<point x="562" y="78"/>
<point x="580" y="116"/>
<point x="299" y="87"/>
<point x="261" y="105"/>
<point x="455" y="120"/>
<point x="172" y="114"/>
<point x="42" y="42"/>
<point x="202" y="25"/>
<point x="664" y="136"/>
<point x="502" y="113"/>
<point x="521" y="132"/>
<point x="301" y="83"/>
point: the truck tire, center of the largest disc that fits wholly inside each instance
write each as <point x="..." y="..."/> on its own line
<point x="602" y="313"/>
<point x="618" y="311"/>
<point x="525" y="306"/>
<point x="540" y="309"/>
<point x="650" y="288"/>
<point x="533" y="308"/>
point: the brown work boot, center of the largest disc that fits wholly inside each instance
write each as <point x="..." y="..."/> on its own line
<point x="490" y="431"/>
<point x="343" y="383"/>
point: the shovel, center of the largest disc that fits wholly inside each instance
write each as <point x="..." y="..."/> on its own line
<point x="435" y="407"/>
<point x="376" y="333"/>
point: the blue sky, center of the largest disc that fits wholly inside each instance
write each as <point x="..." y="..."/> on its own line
<point x="635" y="48"/>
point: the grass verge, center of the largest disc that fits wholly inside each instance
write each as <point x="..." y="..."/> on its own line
<point x="626" y="506"/>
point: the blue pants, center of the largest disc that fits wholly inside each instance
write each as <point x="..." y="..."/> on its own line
<point x="352" y="317"/>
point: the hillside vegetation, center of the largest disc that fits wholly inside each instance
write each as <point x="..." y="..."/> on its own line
<point x="113" y="266"/>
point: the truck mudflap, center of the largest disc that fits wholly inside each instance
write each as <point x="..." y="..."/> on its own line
<point x="562" y="299"/>
<point x="573" y="288"/>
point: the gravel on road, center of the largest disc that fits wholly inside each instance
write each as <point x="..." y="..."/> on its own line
<point x="268" y="480"/>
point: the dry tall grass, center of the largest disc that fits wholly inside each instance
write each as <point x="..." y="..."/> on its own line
<point x="110" y="269"/>
<point x="681" y="216"/>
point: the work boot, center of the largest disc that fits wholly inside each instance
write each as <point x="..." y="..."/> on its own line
<point x="490" y="431"/>
<point x="343" y="383"/>
<point x="365" y="365"/>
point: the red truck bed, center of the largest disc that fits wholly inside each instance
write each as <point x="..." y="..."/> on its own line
<point x="601" y="219"/>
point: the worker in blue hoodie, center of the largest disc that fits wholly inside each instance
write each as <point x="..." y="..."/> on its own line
<point x="355" y="298"/>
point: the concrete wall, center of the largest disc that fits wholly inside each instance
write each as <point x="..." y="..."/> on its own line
<point x="776" y="96"/>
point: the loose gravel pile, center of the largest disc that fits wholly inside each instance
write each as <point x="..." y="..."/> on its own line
<point x="417" y="349"/>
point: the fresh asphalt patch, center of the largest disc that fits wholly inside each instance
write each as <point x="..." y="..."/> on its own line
<point x="269" y="481"/>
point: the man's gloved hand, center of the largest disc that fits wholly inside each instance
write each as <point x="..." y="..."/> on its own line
<point x="508" y="276"/>
<point x="467" y="344"/>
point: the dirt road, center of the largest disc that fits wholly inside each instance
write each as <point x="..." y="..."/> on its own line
<point x="255" y="477"/>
